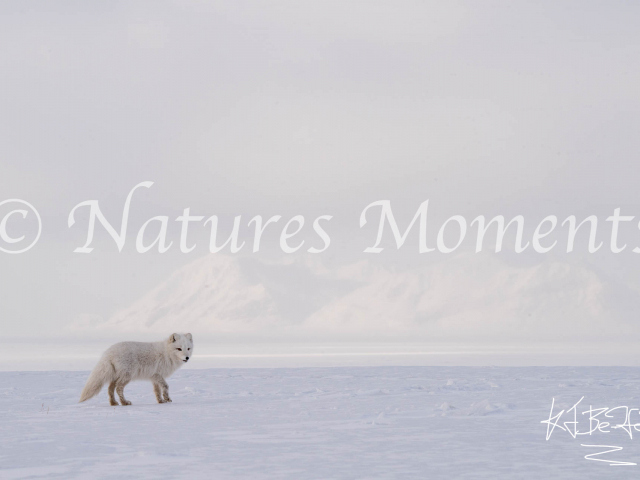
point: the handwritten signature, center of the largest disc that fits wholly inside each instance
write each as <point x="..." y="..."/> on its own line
<point x="602" y="420"/>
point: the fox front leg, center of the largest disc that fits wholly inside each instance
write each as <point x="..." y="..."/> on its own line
<point x="158" y="393"/>
<point x="160" y="386"/>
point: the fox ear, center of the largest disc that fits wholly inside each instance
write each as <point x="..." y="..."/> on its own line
<point x="174" y="337"/>
<point x="188" y="335"/>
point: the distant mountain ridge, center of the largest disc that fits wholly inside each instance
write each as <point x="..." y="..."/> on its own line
<point x="469" y="296"/>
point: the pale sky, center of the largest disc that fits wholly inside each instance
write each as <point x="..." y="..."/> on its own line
<point x="299" y="108"/>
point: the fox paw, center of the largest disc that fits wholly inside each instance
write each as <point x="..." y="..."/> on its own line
<point x="167" y="400"/>
<point x="125" y="402"/>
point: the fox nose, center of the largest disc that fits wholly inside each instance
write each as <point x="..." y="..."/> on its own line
<point x="187" y="358"/>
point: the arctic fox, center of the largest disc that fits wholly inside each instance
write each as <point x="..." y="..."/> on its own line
<point x="128" y="361"/>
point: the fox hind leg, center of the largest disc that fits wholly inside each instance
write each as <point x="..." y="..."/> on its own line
<point x="120" y="384"/>
<point x="112" y="389"/>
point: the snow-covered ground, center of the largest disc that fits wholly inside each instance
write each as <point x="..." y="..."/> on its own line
<point x="307" y="423"/>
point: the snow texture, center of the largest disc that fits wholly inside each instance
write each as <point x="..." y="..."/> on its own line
<point x="315" y="423"/>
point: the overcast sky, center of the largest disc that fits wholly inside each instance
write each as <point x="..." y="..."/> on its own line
<point x="300" y="108"/>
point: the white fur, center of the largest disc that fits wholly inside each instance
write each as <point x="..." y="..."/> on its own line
<point x="127" y="361"/>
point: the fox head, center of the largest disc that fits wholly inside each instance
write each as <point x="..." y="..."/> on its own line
<point x="181" y="345"/>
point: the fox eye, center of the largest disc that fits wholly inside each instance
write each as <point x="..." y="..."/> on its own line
<point x="179" y="349"/>
<point x="189" y="348"/>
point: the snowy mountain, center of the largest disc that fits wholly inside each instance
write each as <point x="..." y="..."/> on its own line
<point x="211" y="292"/>
<point x="470" y="296"/>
